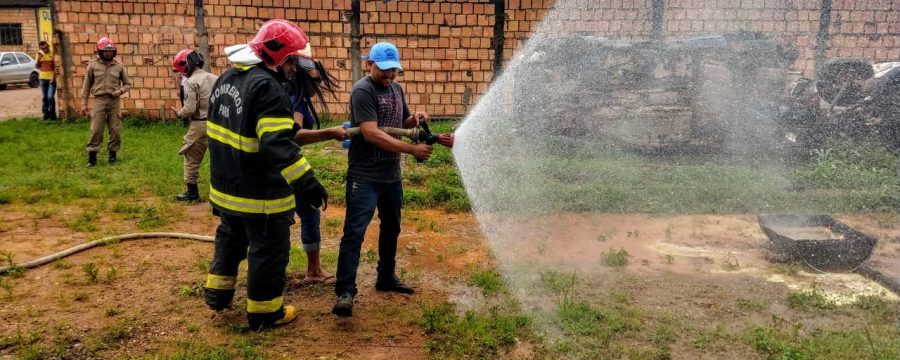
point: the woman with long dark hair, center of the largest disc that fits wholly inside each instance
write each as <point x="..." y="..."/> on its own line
<point x="311" y="81"/>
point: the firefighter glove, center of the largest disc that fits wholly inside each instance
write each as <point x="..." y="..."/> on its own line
<point x="311" y="192"/>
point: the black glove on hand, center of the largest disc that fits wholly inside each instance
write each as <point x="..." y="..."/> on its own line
<point x="312" y="192"/>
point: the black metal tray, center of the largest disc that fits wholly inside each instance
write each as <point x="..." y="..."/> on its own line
<point x="820" y="241"/>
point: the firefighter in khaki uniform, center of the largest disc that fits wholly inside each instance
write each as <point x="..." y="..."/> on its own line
<point x="106" y="80"/>
<point x="197" y="89"/>
<point x="256" y="172"/>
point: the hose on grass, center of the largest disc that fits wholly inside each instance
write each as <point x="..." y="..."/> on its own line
<point x="103" y="241"/>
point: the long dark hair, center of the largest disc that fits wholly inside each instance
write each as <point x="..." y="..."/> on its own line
<point x="304" y="86"/>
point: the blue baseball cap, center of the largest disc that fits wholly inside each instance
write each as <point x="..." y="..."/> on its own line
<point x="385" y="55"/>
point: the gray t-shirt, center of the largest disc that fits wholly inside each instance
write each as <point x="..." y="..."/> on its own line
<point x="372" y="102"/>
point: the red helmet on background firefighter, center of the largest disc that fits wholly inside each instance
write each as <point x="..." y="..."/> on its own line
<point x="106" y="49"/>
<point x="186" y="61"/>
<point x="277" y="40"/>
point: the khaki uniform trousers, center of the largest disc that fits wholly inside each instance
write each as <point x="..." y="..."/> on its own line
<point x="105" y="113"/>
<point x="194" y="148"/>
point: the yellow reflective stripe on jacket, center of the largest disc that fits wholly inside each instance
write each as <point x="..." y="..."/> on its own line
<point x="265" y="306"/>
<point x="228" y="137"/>
<point x="252" y="206"/>
<point x="220" y="282"/>
<point x="296" y="170"/>
<point x="268" y="124"/>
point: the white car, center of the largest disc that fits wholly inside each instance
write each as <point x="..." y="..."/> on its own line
<point x="17" y="68"/>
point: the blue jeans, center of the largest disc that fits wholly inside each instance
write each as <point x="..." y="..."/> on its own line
<point x="48" y="99"/>
<point x="310" y="235"/>
<point x="362" y="199"/>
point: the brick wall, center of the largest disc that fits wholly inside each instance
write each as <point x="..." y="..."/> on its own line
<point x="789" y="22"/>
<point x="145" y="42"/>
<point x="868" y="29"/>
<point x="28" y="18"/>
<point x="445" y="44"/>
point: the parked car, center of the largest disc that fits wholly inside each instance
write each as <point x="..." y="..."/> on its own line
<point x="17" y="68"/>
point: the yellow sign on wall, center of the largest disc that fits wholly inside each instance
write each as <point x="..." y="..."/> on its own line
<point x="45" y="25"/>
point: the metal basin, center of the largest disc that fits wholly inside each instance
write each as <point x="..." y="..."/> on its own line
<point x="820" y="241"/>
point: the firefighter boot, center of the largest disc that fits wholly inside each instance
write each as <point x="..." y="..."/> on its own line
<point x="290" y="313"/>
<point x="92" y="159"/>
<point x="265" y="321"/>
<point x="191" y="195"/>
<point x="112" y="158"/>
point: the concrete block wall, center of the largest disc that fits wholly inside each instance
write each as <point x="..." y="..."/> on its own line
<point x="446" y="45"/>
<point x="28" y="18"/>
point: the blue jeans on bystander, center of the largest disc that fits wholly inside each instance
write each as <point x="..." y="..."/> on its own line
<point x="363" y="197"/>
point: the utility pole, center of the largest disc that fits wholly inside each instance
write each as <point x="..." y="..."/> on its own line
<point x="356" y="66"/>
<point x="499" y="36"/>
<point x="202" y="32"/>
<point x="822" y="36"/>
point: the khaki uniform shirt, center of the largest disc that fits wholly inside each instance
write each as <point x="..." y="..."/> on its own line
<point x="197" y="90"/>
<point x="103" y="79"/>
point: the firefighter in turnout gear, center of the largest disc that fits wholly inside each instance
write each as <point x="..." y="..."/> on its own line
<point x="257" y="170"/>
<point x="197" y="89"/>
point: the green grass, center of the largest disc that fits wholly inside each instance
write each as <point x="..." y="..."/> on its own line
<point x="190" y="290"/>
<point x="149" y="166"/>
<point x="589" y="329"/>
<point x="810" y="299"/>
<point x="471" y="335"/>
<point x="614" y="258"/>
<point x="783" y="342"/>
<point x="850" y="178"/>
<point x="488" y="280"/>
<point x="750" y="304"/>
<point x="90" y="271"/>
<point x="298" y="261"/>
<point x="248" y="348"/>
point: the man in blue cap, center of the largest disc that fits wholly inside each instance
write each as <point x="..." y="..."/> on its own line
<point x="373" y="175"/>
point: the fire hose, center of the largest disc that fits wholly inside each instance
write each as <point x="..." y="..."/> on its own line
<point x="100" y="242"/>
<point x="419" y="134"/>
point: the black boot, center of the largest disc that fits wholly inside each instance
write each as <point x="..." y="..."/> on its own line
<point x="393" y="284"/>
<point x="191" y="195"/>
<point x="92" y="159"/>
<point x="112" y="158"/>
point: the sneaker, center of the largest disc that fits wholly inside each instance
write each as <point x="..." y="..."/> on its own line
<point x="394" y="285"/>
<point x="344" y="306"/>
<point x="290" y="313"/>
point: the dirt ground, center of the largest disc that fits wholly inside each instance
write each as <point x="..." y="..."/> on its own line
<point x="692" y="266"/>
<point x="19" y="101"/>
<point x="58" y="302"/>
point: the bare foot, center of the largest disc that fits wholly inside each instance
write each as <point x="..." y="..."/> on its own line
<point x="317" y="276"/>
